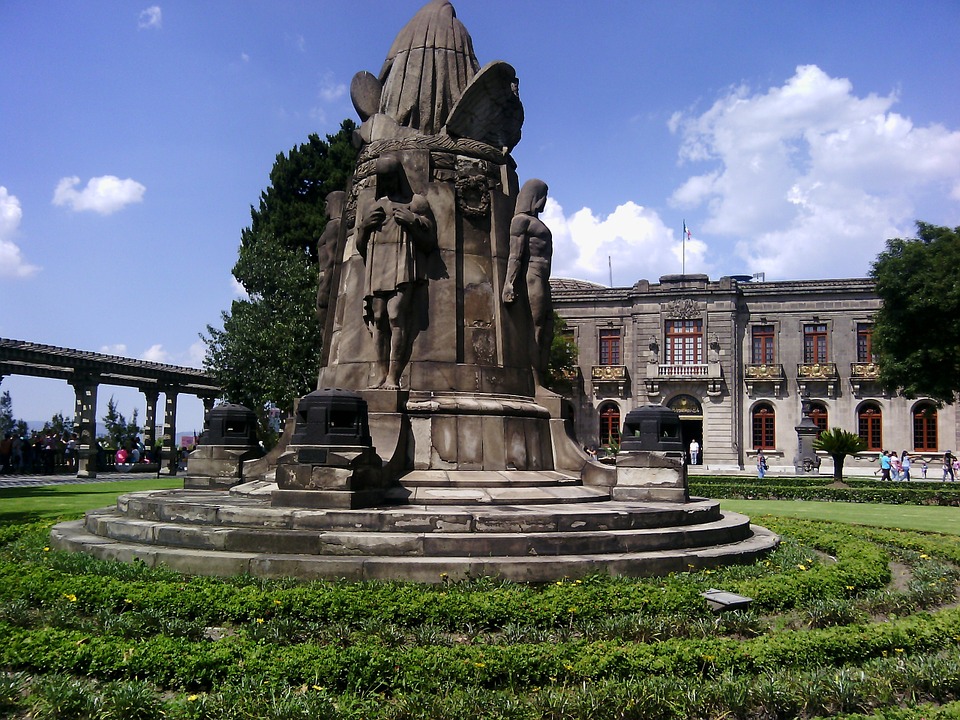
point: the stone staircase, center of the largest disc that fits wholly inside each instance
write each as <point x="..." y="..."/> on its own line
<point x="445" y="530"/>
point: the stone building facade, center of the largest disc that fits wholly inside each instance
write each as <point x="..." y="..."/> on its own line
<point x="734" y="358"/>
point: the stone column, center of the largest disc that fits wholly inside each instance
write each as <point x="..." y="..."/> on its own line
<point x="85" y="424"/>
<point x="150" y="417"/>
<point x="169" y="454"/>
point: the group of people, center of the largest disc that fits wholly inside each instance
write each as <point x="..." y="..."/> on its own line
<point x="37" y="454"/>
<point x="897" y="468"/>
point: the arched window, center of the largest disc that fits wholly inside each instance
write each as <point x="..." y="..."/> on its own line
<point x="609" y="424"/>
<point x="818" y="413"/>
<point x="764" y="427"/>
<point x="925" y="426"/>
<point x="870" y="424"/>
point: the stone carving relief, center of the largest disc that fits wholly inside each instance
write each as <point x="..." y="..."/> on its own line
<point x="684" y="309"/>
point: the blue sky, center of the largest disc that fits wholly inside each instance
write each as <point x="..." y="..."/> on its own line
<point x="793" y="138"/>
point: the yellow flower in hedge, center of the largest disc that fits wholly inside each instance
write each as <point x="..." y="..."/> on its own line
<point x="317" y="687"/>
<point x="46" y="549"/>
<point x="71" y="597"/>
<point x="900" y="650"/>
<point x="850" y="587"/>
<point x="480" y="664"/>
<point x="277" y="602"/>
<point x="192" y="698"/>
<point x="802" y="567"/>
<point x="924" y="556"/>
<point x="259" y="621"/>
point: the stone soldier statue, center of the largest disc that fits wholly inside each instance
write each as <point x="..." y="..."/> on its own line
<point x="395" y="233"/>
<point x="531" y="252"/>
<point x="326" y="250"/>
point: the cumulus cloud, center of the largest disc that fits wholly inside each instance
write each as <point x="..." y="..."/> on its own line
<point x="809" y="175"/>
<point x="155" y="353"/>
<point x="195" y="354"/>
<point x="104" y="195"/>
<point x="151" y="18"/>
<point x="118" y="349"/>
<point x="632" y="239"/>
<point x="12" y="263"/>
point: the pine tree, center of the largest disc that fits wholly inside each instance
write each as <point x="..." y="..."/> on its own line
<point x="268" y="349"/>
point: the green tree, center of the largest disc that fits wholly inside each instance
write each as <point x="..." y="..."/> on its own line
<point x="268" y="349"/>
<point x="916" y="335"/>
<point x="7" y="422"/>
<point x="562" y="363"/>
<point x="838" y="444"/>
<point x="118" y="428"/>
<point x="59" y="425"/>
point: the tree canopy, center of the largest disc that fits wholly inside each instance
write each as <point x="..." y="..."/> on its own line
<point x="916" y="335"/>
<point x="268" y="349"/>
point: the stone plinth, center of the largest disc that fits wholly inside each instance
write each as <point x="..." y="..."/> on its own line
<point x="653" y="476"/>
<point x="230" y="441"/>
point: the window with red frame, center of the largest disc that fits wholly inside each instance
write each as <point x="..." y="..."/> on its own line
<point x="925" y="427"/>
<point x="684" y="344"/>
<point x="610" y="346"/>
<point x="870" y="427"/>
<point x="762" y="353"/>
<point x="764" y="427"/>
<point x="814" y="344"/>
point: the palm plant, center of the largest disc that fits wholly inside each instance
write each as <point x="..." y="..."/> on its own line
<point x="838" y="444"/>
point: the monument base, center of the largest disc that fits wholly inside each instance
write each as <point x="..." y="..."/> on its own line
<point x="651" y="476"/>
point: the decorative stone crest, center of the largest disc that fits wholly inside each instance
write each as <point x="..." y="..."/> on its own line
<point x="682" y="309"/>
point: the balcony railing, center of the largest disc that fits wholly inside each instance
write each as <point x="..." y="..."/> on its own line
<point x="669" y="371"/>
<point x="817" y="371"/>
<point x="771" y="371"/>
<point x="612" y="373"/>
<point x="864" y="371"/>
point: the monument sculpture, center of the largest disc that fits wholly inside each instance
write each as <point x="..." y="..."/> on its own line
<point x="430" y="449"/>
<point x="395" y="236"/>
<point x="531" y="250"/>
<point x="327" y="250"/>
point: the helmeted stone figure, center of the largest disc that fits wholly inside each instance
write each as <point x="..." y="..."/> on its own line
<point x="395" y="233"/>
<point x="531" y="252"/>
<point x="327" y="250"/>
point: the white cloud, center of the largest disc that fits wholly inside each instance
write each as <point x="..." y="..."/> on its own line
<point x="12" y="263"/>
<point x="104" y="195"/>
<point x="632" y="240"/>
<point x="330" y="89"/>
<point x="810" y="178"/>
<point x="155" y="353"/>
<point x="195" y="354"/>
<point x="152" y="17"/>
<point x="118" y="349"/>
<point x="238" y="289"/>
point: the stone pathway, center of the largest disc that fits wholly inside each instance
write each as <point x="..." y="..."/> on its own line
<point x="15" y="481"/>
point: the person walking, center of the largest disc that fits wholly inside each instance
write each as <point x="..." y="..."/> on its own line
<point x="905" y="466"/>
<point x="761" y="465"/>
<point x="948" y="466"/>
<point x="694" y="451"/>
<point x="885" y="465"/>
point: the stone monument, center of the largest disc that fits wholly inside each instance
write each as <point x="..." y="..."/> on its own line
<point x="430" y="449"/>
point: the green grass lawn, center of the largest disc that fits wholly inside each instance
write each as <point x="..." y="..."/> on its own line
<point x="49" y="502"/>
<point x="907" y="517"/>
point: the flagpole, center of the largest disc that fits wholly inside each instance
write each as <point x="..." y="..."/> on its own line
<point x="683" y="251"/>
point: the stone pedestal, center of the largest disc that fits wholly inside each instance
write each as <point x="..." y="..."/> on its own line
<point x="330" y="462"/>
<point x="329" y="477"/>
<point x="230" y="441"/>
<point x="806" y="461"/>
<point x="651" y="476"/>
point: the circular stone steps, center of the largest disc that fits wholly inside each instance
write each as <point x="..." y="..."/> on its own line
<point x="210" y="532"/>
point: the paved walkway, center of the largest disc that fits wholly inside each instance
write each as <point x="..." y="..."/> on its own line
<point x="15" y="481"/>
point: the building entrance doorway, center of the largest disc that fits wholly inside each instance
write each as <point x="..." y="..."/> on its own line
<point x="689" y="410"/>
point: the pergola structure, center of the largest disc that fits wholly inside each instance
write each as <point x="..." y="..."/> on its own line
<point x="86" y="371"/>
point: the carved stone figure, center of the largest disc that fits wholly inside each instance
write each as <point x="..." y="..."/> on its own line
<point x="395" y="232"/>
<point x="326" y="251"/>
<point x="531" y="252"/>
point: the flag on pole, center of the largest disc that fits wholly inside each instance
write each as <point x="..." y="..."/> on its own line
<point x="686" y="231"/>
